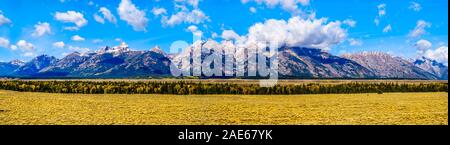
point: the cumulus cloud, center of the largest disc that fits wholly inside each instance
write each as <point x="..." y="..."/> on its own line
<point x="91" y="3"/>
<point x="24" y="45"/>
<point x="440" y="54"/>
<point x="193" y="3"/>
<point x="381" y="10"/>
<point x="423" y="45"/>
<point x="214" y="35"/>
<point x="40" y="29"/>
<point x="159" y="11"/>
<point x="132" y="15"/>
<point x="419" y="30"/>
<point x="99" y="19"/>
<point x="79" y="49"/>
<point x="29" y="54"/>
<point x="192" y="28"/>
<point x="415" y="6"/>
<point x="185" y="12"/>
<point x="77" y="38"/>
<point x="230" y="35"/>
<point x="388" y="28"/>
<point x="298" y="32"/>
<point x="4" y="42"/>
<point x="59" y="44"/>
<point x="291" y="6"/>
<point x="13" y="47"/>
<point x="4" y="19"/>
<point x="350" y="22"/>
<point x="97" y="41"/>
<point x="252" y="9"/>
<point x="108" y="15"/>
<point x="377" y="21"/>
<point x="355" y="42"/>
<point x="71" y="17"/>
<point x="195" y="31"/>
<point x="195" y="16"/>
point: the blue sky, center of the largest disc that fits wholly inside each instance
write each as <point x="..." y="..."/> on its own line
<point x="29" y="28"/>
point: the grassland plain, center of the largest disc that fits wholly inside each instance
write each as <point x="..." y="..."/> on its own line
<point x="344" y="109"/>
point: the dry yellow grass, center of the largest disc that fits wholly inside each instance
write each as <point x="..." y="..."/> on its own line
<point x="68" y="109"/>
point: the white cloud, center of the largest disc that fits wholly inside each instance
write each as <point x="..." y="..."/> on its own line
<point x="77" y="38"/>
<point x="159" y="11"/>
<point x="230" y="35"/>
<point x="440" y="54"/>
<point x="195" y="31"/>
<point x="79" y="49"/>
<point x="24" y="45"/>
<point x="59" y="44"/>
<point x="13" y="47"/>
<point x="99" y="19"/>
<point x="291" y="6"/>
<point x="192" y="28"/>
<point x="195" y="16"/>
<point x="4" y="19"/>
<point x="381" y="13"/>
<point x="420" y="28"/>
<point x="423" y="45"/>
<point x="253" y="9"/>
<point x="355" y="42"/>
<point x="4" y="42"/>
<point x="132" y="15"/>
<point x="350" y="22"/>
<point x="415" y="6"/>
<point x="71" y="17"/>
<point x="97" y="41"/>
<point x="184" y="14"/>
<point x="108" y="15"/>
<point x="388" y="28"/>
<point x="41" y="29"/>
<point x="29" y="54"/>
<point x="381" y="10"/>
<point x="214" y="35"/>
<point x="376" y="21"/>
<point x="193" y="3"/>
<point x="297" y="32"/>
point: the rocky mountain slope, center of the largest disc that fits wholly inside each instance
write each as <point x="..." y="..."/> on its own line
<point x="387" y="66"/>
<point x="293" y="62"/>
<point x="433" y="67"/>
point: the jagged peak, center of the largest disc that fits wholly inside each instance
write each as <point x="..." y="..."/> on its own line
<point x="123" y="47"/>
<point x="75" y="53"/>
<point x="158" y="50"/>
<point x="425" y="60"/>
<point x="17" y="62"/>
<point x="44" y="56"/>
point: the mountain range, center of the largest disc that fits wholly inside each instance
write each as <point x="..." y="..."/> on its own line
<point x="294" y="62"/>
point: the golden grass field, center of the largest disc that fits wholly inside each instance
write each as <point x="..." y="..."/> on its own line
<point x="19" y="108"/>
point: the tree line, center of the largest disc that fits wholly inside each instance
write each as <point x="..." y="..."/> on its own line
<point x="189" y="88"/>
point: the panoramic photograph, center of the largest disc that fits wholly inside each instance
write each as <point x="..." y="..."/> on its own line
<point x="223" y="62"/>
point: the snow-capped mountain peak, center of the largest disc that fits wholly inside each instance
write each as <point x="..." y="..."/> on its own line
<point x="123" y="47"/>
<point x="17" y="62"/>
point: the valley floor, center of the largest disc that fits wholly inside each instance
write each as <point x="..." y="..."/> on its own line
<point x="350" y="109"/>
